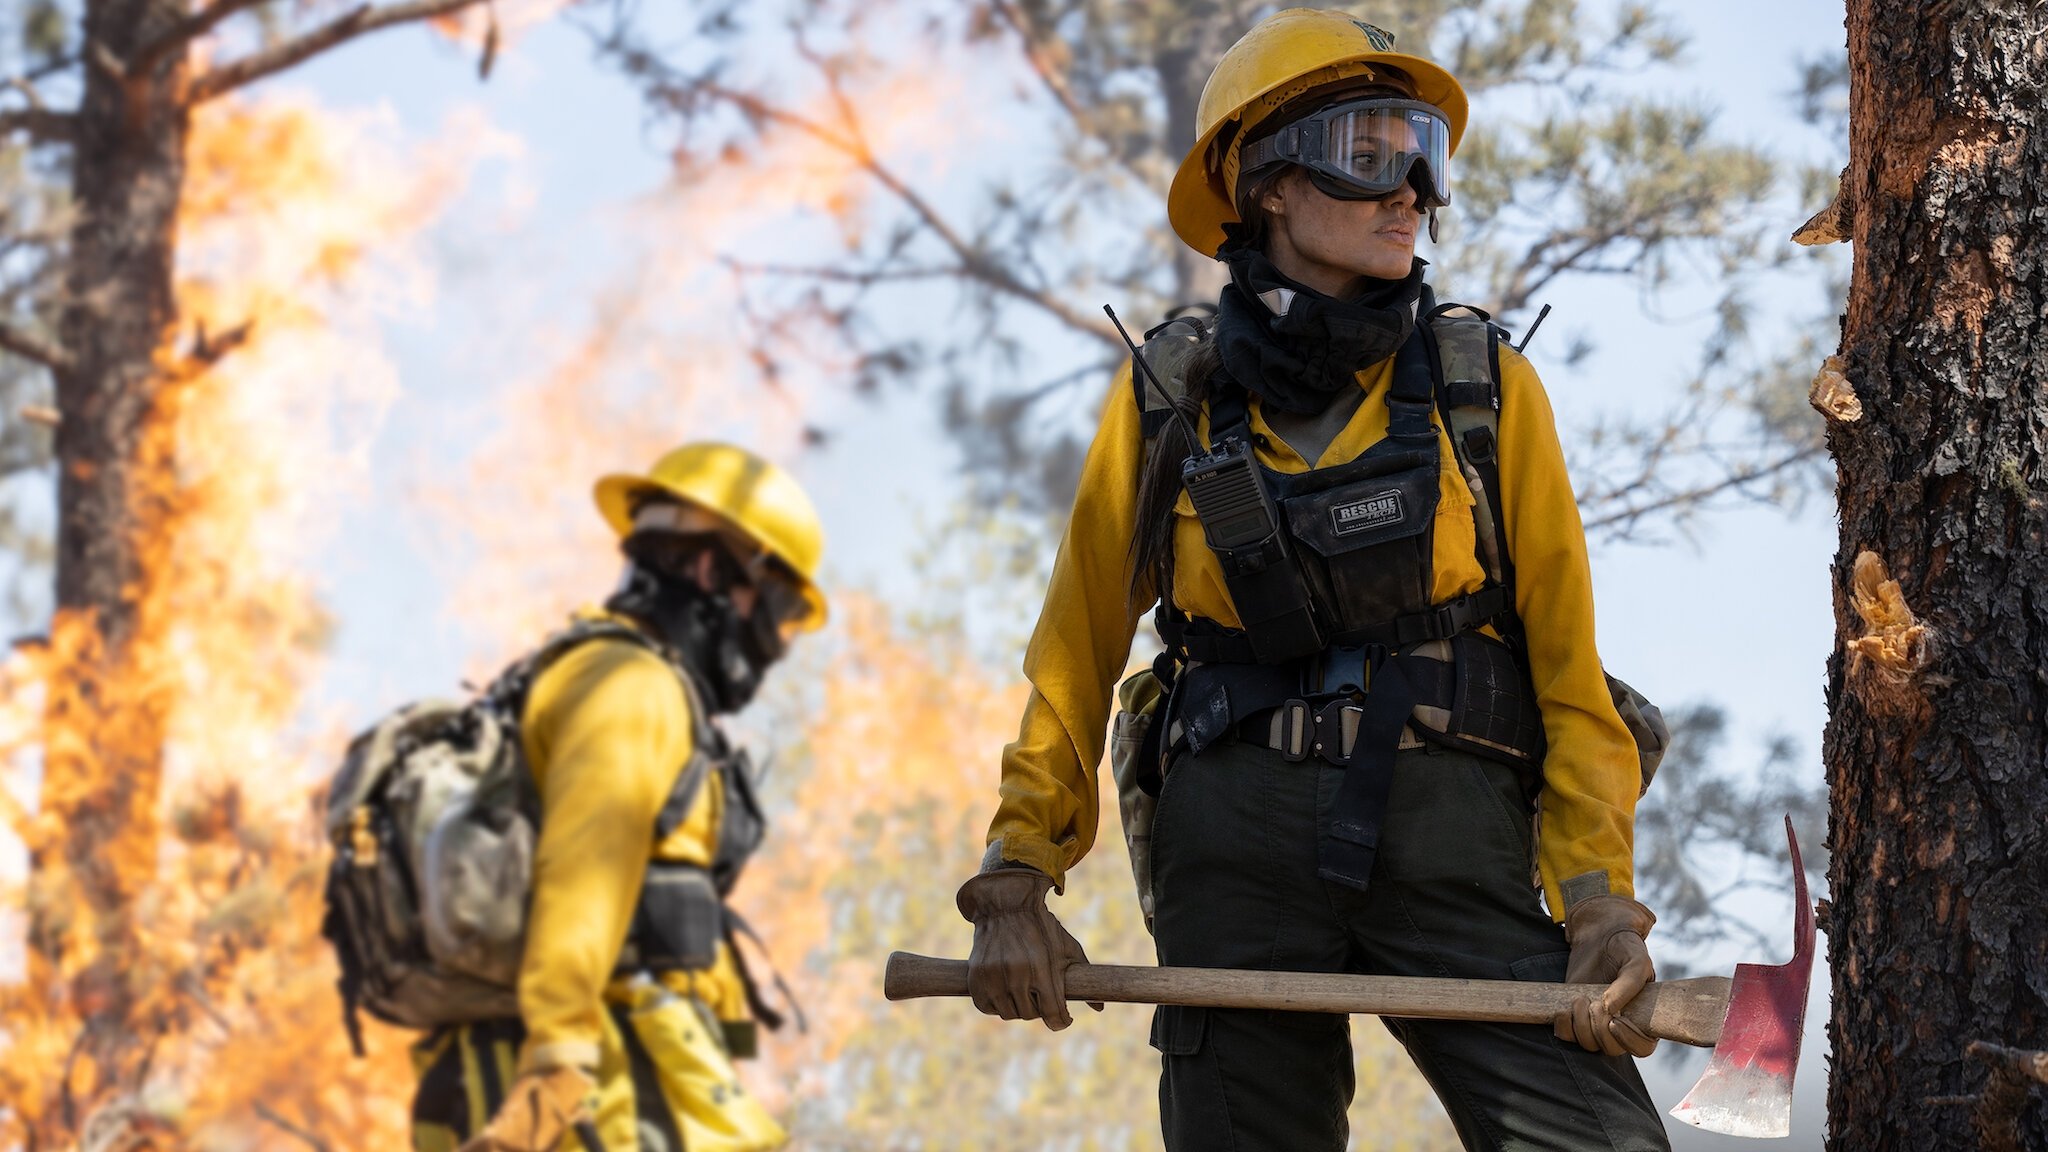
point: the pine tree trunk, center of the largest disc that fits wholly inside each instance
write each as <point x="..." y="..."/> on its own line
<point x="1937" y="743"/>
<point x="106" y="720"/>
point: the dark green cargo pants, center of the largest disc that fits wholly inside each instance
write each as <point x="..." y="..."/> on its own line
<point x="1234" y="869"/>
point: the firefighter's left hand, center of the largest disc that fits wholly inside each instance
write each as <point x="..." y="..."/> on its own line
<point x="541" y="1108"/>
<point x="1606" y="935"/>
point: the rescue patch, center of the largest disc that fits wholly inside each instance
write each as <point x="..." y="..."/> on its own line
<point x="1367" y="513"/>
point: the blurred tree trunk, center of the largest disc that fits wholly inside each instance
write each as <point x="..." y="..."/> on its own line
<point x="123" y="369"/>
<point x="106" y="723"/>
<point x="1937" y="745"/>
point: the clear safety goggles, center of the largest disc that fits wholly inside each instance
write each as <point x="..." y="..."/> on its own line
<point x="1365" y="149"/>
<point x="666" y="535"/>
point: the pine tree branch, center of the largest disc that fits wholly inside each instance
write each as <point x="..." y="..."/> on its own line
<point x="1623" y="520"/>
<point x="975" y="263"/>
<point x="310" y="1138"/>
<point x="359" y="22"/>
<point x="146" y="58"/>
<point x="41" y="125"/>
<point x="30" y="346"/>
<point x="1041" y="58"/>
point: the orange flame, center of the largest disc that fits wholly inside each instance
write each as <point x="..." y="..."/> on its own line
<point x="297" y="222"/>
<point x="294" y="229"/>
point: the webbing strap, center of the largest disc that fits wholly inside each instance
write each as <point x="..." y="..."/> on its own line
<point x="1411" y="392"/>
<point x="1229" y="411"/>
<point x="650" y="1104"/>
<point x="1346" y="851"/>
<point x="1210" y="643"/>
<point x="736" y="926"/>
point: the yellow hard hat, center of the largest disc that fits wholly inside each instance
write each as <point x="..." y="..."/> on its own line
<point x="758" y="500"/>
<point x="1287" y="54"/>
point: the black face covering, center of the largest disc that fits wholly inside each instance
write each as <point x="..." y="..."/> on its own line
<point x="1299" y="353"/>
<point x="729" y="654"/>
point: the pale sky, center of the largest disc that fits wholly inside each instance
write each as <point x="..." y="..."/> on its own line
<point x="549" y="224"/>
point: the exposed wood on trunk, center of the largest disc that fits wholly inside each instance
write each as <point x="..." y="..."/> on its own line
<point x="1938" y="691"/>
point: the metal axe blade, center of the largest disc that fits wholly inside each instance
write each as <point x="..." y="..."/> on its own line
<point x="1747" y="1087"/>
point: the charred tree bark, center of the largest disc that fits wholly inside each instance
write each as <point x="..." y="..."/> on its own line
<point x="1937" y="743"/>
<point x="102" y="762"/>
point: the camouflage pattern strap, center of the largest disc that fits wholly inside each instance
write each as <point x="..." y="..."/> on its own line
<point x="1168" y="349"/>
<point x="1468" y="390"/>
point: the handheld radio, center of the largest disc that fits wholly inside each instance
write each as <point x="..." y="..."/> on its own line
<point x="1241" y="523"/>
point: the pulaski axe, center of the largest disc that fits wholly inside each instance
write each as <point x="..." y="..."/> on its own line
<point x="1753" y="1022"/>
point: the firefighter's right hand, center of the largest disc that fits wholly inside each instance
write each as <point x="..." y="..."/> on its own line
<point x="543" y="1105"/>
<point x="1018" y="968"/>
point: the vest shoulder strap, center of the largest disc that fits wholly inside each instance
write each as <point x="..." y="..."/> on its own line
<point x="1168" y="350"/>
<point x="707" y="750"/>
<point x="1467" y="361"/>
<point x="509" y="691"/>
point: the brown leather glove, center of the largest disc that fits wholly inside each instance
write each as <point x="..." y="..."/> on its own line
<point x="1018" y="968"/>
<point x="541" y="1108"/>
<point x="1606" y="934"/>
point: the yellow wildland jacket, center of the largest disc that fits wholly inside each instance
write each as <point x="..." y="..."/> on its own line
<point x="1050" y="803"/>
<point x="606" y="728"/>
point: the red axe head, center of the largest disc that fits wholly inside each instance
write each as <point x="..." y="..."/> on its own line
<point x="1747" y="1087"/>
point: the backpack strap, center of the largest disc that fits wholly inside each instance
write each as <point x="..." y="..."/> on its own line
<point x="1168" y="349"/>
<point x="1467" y="361"/>
<point x="507" y="694"/>
<point x="706" y="747"/>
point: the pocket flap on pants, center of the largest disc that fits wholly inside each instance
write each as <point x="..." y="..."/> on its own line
<point x="1177" y="1029"/>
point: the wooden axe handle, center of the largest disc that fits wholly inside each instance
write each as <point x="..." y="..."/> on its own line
<point x="1688" y="1011"/>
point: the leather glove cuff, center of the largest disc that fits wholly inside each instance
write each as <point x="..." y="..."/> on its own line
<point x="1002" y="891"/>
<point x="1592" y="920"/>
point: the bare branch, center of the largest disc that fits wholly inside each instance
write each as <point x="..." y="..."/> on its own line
<point x="191" y="28"/>
<point x="311" y="1139"/>
<point x="1049" y="73"/>
<point x="42" y="125"/>
<point x="30" y="346"/>
<point x="1625" y="518"/>
<point x="358" y="22"/>
<point x="974" y="262"/>
<point x="866" y="278"/>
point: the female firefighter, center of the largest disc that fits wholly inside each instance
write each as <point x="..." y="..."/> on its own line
<point x="633" y="1001"/>
<point x="1377" y="609"/>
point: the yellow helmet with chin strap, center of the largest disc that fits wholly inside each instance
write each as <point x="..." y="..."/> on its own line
<point x="1283" y="57"/>
<point x="747" y="493"/>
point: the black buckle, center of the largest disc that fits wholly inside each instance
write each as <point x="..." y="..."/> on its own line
<point x="1341" y="668"/>
<point x="1447" y="624"/>
<point x="1331" y="735"/>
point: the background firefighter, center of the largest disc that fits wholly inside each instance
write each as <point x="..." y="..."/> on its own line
<point x="633" y="999"/>
<point x="1369" y="692"/>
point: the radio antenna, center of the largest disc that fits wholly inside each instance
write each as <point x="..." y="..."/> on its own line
<point x="1531" y="333"/>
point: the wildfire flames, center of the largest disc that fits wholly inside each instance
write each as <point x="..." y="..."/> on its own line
<point x="198" y="912"/>
<point x="295" y="231"/>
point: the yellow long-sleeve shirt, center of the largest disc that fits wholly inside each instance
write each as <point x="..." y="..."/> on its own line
<point x="606" y="728"/>
<point x="1049" y="808"/>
